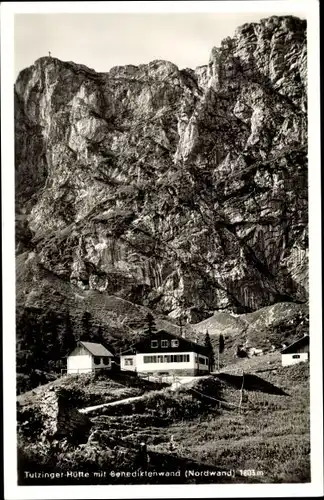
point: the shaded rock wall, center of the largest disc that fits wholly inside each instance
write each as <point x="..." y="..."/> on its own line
<point x="61" y="418"/>
<point x="182" y="190"/>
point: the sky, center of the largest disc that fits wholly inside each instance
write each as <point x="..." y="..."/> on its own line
<point x="101" y="41"/>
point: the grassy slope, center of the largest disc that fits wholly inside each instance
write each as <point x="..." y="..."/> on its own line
<point x="271" y="435"/>
<point x="93" y="388"/>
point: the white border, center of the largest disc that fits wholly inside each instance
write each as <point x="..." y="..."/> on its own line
<point x="296" y="6"/>
<point x="306" y="8"/>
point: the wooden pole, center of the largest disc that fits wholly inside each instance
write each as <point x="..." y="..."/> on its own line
<point x="241" y="392"/>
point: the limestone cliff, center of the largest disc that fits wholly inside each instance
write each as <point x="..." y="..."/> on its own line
<point x="178" y="190"/>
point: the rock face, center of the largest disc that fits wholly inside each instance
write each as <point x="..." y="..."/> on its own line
<point x="181" y="190"/>
<point x="61" y="419"/>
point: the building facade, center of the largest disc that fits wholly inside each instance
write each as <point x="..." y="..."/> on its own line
<point x="166" y="354"/>
<point x="87" y="357"/>
<point x="296" y="352"/>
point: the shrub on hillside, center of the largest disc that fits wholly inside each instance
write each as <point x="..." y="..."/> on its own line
<point x="165" y="404"/>
<point x="60" y="456"/>
<point x="71" y="396"/>
<point x="297" y="373"/>
<point x="29" y="422"/>
<point x="35" y="378"/>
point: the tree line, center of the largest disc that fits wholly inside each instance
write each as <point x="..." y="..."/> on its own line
<point x="45" y="339"/>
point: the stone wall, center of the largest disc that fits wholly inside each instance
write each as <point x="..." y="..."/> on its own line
<point x="61" y="419"/>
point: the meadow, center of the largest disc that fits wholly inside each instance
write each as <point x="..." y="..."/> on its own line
<point x="269" y="435"/>
<point x="199" y="426"/>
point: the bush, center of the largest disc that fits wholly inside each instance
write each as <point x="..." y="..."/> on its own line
<point x="29" y="422"/>
<point x="35" y="378"/>
<point x="163" y="404"/>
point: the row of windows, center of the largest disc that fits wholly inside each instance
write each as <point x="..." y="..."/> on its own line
<point x="172" y="358"/>
<point x="169" y="358"/>
<point x="97" y="361"/>
<point x="164" y="343"/>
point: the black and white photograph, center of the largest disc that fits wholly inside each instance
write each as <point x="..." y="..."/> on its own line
<point x="161" y="165"/>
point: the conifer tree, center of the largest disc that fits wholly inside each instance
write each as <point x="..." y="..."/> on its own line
<point x="49" y="340"/>
<point x="210" y="350"/>
<point x="99" y="336"/>
<point x="86" y="326"/>
<point x="67" y="338"/>
<point x="35" y="338"/>
<point x="27" y="336"/>
<point x="221" y="344"/>
<point x="150" y="326"/>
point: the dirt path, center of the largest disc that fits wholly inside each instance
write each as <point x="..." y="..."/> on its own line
<point x="112" y="403"/>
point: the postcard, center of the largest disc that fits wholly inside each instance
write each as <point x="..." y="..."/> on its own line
<point x="161" y="206"/>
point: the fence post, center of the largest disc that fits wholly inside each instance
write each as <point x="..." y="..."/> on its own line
<point x="241" y="392"/>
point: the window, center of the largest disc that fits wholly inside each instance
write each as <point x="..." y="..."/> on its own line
<point x="169" y="358"/>
<point x="154" y="343"/>
<point x="174" y="343"/>
<point x="149" y="359"/>
<point x="296" y="356"/>
<point x="202" y="361"/>
<point x="96" y="360"/>
<point x="180" y="358"/>
<point x="128" y="361"/>
<point x="164" y="343"/>
<point x="105" y="361"/>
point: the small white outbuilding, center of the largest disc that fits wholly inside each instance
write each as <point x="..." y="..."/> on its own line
<point x="88" y="357"/>
<point x="296" y="352"/>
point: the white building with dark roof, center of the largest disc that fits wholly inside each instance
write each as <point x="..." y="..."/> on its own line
<point x="296" y="352"/>
<point x="165" y="354"/>
<point x="87" y="357"/>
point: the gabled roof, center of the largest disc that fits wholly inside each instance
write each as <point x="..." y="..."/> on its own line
<point x="187" y="344"/>
<point x="199" y="348"/>
<point x="96" y="349"/>
<point x="295" y="345"/>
